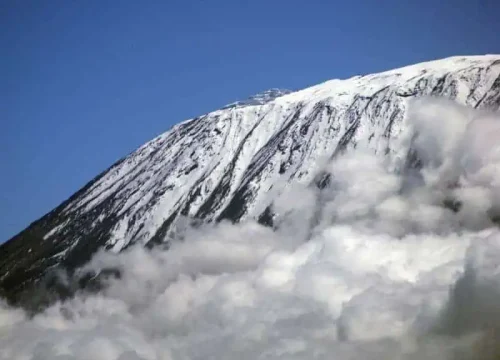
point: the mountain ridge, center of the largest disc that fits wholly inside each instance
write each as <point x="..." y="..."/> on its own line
<point x="232" y="162"/>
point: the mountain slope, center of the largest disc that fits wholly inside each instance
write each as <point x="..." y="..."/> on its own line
<point x="232" y="163"/>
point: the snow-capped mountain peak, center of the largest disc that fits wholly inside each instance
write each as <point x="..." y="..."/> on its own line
<point x="233" y="162"/>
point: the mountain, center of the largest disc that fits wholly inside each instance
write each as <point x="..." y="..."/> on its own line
<point x="231" y="163"/>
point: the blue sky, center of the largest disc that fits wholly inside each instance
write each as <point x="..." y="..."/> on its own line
<point x="86" y="82"/>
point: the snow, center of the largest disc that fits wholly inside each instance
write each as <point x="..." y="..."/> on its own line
<point x="242" y="135"/>
<point x="259" y="99"/>
<point x="54" y="230"/>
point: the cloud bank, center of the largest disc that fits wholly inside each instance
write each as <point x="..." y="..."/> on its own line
<point x="381" y="264"/>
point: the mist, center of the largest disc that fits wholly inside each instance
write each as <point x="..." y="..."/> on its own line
<point x="387" y="262"/>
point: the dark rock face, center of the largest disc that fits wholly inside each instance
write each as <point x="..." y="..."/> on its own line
<point x="229" y="164"/>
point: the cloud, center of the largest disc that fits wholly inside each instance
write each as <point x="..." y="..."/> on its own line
<point x="367" y="268"/>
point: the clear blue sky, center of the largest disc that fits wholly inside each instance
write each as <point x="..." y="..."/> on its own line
<point x="83" y="83"/>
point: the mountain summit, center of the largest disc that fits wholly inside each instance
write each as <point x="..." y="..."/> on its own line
<point x="260" y="98"/>
<point x="233" y="162"/>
